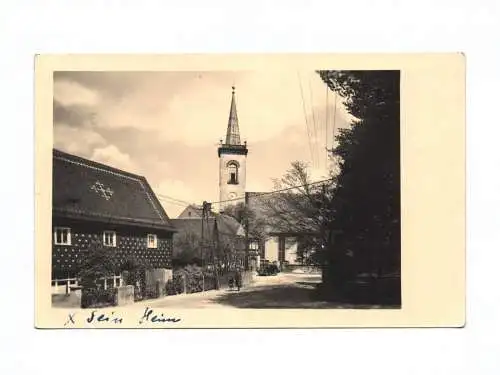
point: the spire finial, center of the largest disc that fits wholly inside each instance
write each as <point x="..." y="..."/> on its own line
<point x="233" y="131"/>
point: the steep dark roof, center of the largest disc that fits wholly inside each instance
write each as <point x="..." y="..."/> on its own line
<point x="233" y="130"/>
<point x="192" y="212"/>
<point x="256" y="202"/>
<point x="226" y="225"/>
<point x="85" y="189"/>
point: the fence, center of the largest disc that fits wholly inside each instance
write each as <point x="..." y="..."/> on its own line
<point x="63" y="286"/>
<point x="195" y="282"/>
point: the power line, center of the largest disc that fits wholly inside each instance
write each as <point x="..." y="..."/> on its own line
<point x="305" y="116"/>
<point x="334" y="115"/>
<point x="174" y="199"/>
<point x="276" y="191"/>
<point x="326" y="127"/>
<point x="229" y="200"/>
<point x="314" y="119"/>
<point x="173" y="202"/>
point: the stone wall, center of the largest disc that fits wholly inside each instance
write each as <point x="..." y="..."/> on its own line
<point x="125" y="295"/>
<point x="156" y="279"/>
<point x="155" y="275"/>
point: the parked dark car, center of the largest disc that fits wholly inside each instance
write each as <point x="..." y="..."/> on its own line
<point x="269" y="270"/>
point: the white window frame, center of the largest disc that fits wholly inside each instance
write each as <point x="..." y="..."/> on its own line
<point x="155" y="245"/>
<point x="113" y="238"/>
<point x="68" y="242"/>
<point x="253" y="245"/>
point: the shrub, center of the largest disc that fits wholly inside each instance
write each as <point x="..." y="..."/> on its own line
<point x="154" y="291"/>
<point x="196" y="280"/>
<point x="97" y="263"/>
<point x="97" y="297"/>
<point x="138" y="296"/>
<point x="170" y="288"/>
<point x="133" y="270"/>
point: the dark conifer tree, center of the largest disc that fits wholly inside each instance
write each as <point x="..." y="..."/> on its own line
<point x="366" y="209"/>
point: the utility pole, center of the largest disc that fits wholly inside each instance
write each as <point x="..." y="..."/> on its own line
<point x="202" y="233"/>
<point x="215" y="245"/>
<point x="327" y="238"/>
<point x="247" y="242"/>
<point x="202" y="247"/>
<point x="207" y="208"/>
<point x="324" y="235"/>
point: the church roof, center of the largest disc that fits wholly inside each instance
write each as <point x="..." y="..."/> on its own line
<point x="226" y="225"/>
<point x="232" y="144"/>
<point x="227" y="228"/>
<point x="84" y="189"/>
<point x="192" y="212"/>
<point x="233" y="130"/>
<point x="257" y="202"/>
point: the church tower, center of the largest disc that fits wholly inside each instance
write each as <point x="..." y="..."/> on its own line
<point x="232" y="162"/>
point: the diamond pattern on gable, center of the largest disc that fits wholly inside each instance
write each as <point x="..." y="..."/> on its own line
<point x="98" y="187"/>
<point x="85" y="189"/>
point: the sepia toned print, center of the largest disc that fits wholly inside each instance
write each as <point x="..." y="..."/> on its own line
<point x="180" y="194"/>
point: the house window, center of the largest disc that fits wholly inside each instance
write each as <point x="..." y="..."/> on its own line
<point x="109" y="238"/>
<point x="62" y="236"/>
<point x="152" y="241"/>
<point x="232" y="167"/>
<point x="254" y="246"/>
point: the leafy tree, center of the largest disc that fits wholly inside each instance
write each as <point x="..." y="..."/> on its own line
<point x="98" y="262"/>
<point x="256" y="223"/>
<point x="299" y="208"/>
<point x="187" y="249"/>
<point x="133" y="270"/>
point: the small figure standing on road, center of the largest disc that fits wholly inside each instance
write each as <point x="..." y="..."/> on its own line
<point x="238" y="279"/>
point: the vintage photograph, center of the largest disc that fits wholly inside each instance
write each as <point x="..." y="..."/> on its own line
<point x="237" y="189"/>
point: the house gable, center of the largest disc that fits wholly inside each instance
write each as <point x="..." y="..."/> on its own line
<point x="84" y="189"/>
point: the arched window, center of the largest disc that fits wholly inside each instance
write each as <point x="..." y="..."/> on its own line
<point x="232" y="168"/>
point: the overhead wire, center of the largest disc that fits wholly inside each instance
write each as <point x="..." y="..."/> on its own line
<point x="182" y="203"/>
<point x="305" y="118"/>
<point x="334" y="115"/>
<point x="173" y="202"/>
<point x="313" y="114"/>
<point x="174" y="199"/>
<point x="276" y="191"/>
<point x="326" y="127"/>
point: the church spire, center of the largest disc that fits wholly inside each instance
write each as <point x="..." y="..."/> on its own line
<point x="233" y="131"/>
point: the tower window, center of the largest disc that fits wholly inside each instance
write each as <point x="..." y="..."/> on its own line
<point x="232" y="167"/>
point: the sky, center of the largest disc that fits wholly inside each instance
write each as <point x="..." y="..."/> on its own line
<point x="166" y="126"/>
